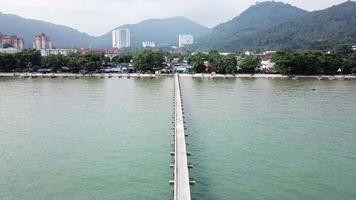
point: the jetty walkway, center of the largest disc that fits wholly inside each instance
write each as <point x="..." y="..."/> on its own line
<point x="180" y="166"/>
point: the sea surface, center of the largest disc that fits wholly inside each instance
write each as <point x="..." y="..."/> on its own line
<point x="85" y="139"/>
<point x="272" y="139"/>
<point x="92" y="138"/>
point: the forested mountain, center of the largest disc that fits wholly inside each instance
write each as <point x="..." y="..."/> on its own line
<point x="164" y="32"/>
<point x="257" y="18"/>
<point x="62" y="36"/>
<point x="264" y="26"/>
<point x="317" y="30"/>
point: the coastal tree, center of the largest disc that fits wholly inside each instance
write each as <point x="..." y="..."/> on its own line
<point x="55" y="62"/>
<point x="123" y="58"/>
<point x="249" y="64"/>
<point x="215" y="61"/>
<point x="27" y="59"/>
<point x="228" y="65"/>
<point x="350" y="64"/>
<point x="197" y="62"/>
<point x="7" y="62"/>
<point x="147" y="60"/>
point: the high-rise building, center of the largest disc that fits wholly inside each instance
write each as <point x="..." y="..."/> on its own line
<point x="121" y="38"/>
<point x="12" y="41"/>
<point x="185" y="40"/>
<point x="41" y="41"/>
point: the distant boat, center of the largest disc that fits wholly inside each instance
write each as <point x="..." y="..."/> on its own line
<point x="331" y="78"/>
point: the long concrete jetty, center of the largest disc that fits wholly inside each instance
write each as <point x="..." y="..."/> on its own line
<point x="181" y="170"/>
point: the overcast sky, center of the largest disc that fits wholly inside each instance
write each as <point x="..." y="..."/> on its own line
<point x="99" y="16"/>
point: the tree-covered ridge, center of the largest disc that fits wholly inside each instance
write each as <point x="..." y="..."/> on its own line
<point x="256" y="18"/>
<point x="318" y="30"/>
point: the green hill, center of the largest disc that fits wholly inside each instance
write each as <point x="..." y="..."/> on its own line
<point x="62" y="36"/>
<point x="257" y="18"/>
<point x="278" y="26"/>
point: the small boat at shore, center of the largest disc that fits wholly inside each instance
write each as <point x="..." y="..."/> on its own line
<point x="293" y="77"/>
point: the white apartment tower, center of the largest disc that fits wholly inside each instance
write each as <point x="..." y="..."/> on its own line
<point x="121" y="38"/>
<point x="185" y="39"/>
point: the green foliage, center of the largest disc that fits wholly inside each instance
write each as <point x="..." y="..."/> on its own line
<point x="274" y="26"/>
<point x="197" y="62"/>
<point x="147" y="60"/>
<point x="228" y="65"/>
<point x="307" y="63"/>
<point x="31" y="59"/>
<point x="55" y="62"/>
<point x="124" y="58"/>
<point x="217" y="63"/>
<point x="21" y="61"/>
<point x="249" y="64"/>
<point x="7" y="62"/>
<point x="343" y="50"/>
<point x="350" y="64"/>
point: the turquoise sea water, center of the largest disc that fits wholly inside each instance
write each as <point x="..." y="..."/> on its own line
<point x="85" y="138"/>
<point x="95" y="138"/>
<point x="272" y="139"/>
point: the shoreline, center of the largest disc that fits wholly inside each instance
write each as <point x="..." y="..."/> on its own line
<point x="118" y="75"/>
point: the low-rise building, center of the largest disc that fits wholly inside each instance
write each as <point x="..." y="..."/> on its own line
<point x="150" y="44"/>
<point x="267" y="65"/>
<point x="354" y="48"/>
<point x="110" y="53"/>
<point x="10" y="50"/>
<point x="64" y="52"/>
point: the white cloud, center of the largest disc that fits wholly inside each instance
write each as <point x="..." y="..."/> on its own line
<point x="99" y="16"/>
